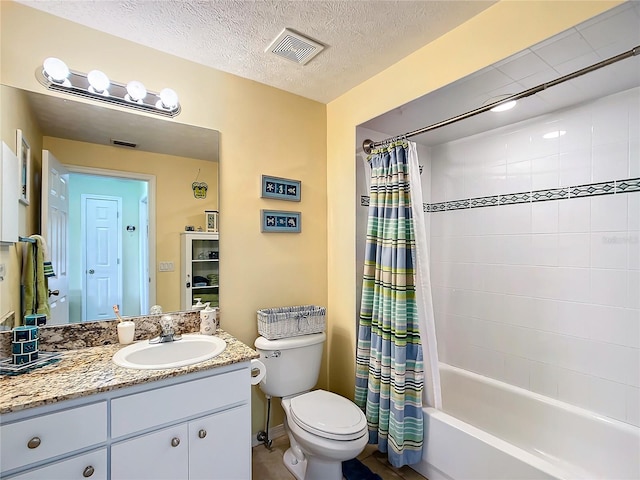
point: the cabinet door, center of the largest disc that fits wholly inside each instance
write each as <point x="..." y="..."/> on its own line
<point x="220" y="446"/>
<point x="91" y="465"/>
<point x="162" y="455"/>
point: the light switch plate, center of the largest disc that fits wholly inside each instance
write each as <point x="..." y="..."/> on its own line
<point x="166" y="267"/>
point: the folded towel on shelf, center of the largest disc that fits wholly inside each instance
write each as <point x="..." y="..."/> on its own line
<point x="36" y="288"/>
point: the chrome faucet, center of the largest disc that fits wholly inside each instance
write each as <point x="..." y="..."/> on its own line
<point x="167" y="331"/>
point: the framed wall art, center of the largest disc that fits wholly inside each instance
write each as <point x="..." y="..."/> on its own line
<point x="24" y="156"/>
<point x="280" y="188"/>
<point x="280" y="221"/>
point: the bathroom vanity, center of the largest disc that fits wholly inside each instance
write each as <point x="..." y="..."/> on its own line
<point x="85" y="417"/>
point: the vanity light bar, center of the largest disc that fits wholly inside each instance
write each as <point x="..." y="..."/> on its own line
<point x="95" y="85"/>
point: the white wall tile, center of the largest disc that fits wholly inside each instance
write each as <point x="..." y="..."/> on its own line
<point x="633" y="289"/>
<point x="574" y="387"/>
<point x="572" y="284"/>
<point x="634" y="159"/>
<point x="610" y="121"/>
<point x="608" y="398"/>
<point x="613" y="362"/>
<point x="614" y="325"/>
<point x="545" y="172"/>
<point x="518" y="177"/>
<point x="574" y="250"/>
<point x="543" y="379"/>
<point x="544" y="250"/>
<point x="574" y="319"/>
<point x="544" y="217"/>
<point x="609" y="250"/>
<point x="633" y="406"/>
<point x="575" y="167"/>
<point x="633" y="212"/>
<point x="608" y="213"/>
<point x="610" y="162"/>
<point x="516" y="371"/>
<point x="574" y="215"/>
<point x="609" y="287"/>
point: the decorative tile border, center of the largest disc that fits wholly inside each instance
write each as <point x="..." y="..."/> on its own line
<point x="627" y="185"/>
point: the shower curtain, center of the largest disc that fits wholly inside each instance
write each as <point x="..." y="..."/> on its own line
<point x="396" y="332"/>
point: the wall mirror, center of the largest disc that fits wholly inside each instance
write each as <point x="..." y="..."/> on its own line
<point x="138" y="165"/>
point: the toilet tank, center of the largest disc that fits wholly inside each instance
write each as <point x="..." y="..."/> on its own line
<point x="292" y="364"/>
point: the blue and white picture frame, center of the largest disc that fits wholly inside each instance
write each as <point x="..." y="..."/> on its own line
<point x="280" y="221"/>
<point x="280" y="188"/>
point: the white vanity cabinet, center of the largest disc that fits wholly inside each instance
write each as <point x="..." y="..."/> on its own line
<point x="212" y="442"/>
<point x="194" y="426"/>
<point x="55" y="437"/>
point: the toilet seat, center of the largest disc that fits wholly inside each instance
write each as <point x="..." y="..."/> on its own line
<point x="328" y="415"/>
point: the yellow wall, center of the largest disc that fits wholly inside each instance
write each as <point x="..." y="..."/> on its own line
<point x="257" y="270"/>
<point x="502" y="30"/>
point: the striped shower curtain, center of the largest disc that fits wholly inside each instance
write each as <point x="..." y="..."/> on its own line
<point x="389" y="358"/>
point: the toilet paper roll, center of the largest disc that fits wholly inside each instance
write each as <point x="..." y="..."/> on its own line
<point x="258" y="371"/>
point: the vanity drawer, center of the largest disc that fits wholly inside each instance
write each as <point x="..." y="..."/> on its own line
<point x="46" y="436"/>
<point x="91" y="465"/>
<point x="153" y="408"/>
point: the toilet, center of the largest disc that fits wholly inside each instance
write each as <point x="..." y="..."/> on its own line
<point x="324" y="429"/>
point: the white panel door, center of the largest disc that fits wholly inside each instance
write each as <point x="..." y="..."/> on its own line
<point x="102" y="253"/>
<point x="54" y="219"/>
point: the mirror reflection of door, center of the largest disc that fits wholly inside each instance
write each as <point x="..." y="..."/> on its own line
<point x="108" y="246"/>
<point x="54" y="228"/>
<point x="101" y="229"/>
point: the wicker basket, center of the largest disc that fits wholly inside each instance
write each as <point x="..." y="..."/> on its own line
<point x="274" y="323"/>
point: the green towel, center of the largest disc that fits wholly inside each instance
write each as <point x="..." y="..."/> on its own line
<point x="36" y="288"/>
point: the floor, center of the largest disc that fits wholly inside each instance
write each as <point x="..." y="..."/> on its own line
<point x="267" y="464"/>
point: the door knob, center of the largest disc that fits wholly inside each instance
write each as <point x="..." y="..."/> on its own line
<point x="54" y="293"/>
<point x="92" y="271"/>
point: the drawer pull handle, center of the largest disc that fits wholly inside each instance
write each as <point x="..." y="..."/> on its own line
<point x="34" y="443"/>
<point x="175" y="441"/>
<point x="88" y="471"/>
<point x="202" y="433"/>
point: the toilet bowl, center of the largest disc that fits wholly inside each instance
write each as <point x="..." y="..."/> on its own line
<point x="324" y="430"/>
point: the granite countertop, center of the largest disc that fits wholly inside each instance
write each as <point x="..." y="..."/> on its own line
<point x="88" y="371"/>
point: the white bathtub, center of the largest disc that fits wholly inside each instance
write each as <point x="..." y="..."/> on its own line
<point x="491" y="430"/>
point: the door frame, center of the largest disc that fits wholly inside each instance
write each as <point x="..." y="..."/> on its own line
<point x="151" y="196"/>
<point x="83" y="229"/>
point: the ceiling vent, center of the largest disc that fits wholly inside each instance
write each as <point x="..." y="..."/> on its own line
<point x="294" y="47"/>
<point x="123" y="143"/>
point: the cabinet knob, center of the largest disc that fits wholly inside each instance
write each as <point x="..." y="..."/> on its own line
<point x="175" y="441"/>
<point x="34" y="443"/>
<point x="88" y="471"/>
<point x="202" y="433"/>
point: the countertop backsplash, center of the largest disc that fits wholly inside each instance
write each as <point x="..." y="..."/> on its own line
<point x="58" y="338"/>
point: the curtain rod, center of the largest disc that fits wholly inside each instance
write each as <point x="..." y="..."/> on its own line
<point x="368" y="145"/>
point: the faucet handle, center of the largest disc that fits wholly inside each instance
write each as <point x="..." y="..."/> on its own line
<point x="166" y="324"/>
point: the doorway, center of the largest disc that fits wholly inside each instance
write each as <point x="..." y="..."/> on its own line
<point x="110" y="250"/>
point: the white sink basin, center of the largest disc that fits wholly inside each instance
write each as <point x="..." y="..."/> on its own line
<point x="189" y="350"/>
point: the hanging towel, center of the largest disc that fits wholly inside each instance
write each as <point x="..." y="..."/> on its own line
<point x="42" y="246"/>
<point x="36" y="289"/>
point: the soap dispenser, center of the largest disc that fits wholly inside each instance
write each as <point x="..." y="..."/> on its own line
<point x="208" y="320"/>
<point x="198" y="305"/>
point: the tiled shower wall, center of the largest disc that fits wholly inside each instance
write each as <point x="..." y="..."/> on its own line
<point x="545" y="294"/>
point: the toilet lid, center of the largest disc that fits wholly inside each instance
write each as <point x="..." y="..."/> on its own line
<point x="328" y="415"/>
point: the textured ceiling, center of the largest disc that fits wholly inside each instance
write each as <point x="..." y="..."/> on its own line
<point x="362" y="37"/>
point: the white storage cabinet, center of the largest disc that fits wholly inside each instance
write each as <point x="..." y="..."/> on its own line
<point x="199" y="268"/>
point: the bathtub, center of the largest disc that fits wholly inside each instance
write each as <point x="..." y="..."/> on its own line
<point x="491" y="430"/>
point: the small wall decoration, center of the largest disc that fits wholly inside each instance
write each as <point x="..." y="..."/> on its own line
<point x="280" y="221"/>
<point x="24" y="156"/>
<point x="211" y="220"/>
<point x="199" y="188"/>
<point x="280" y="188"/>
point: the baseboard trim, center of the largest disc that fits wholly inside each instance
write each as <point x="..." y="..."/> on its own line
<point x="274" y="432"/>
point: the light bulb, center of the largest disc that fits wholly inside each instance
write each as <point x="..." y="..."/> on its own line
<point x="98" y="81"/>
<point x="503" y="107"/>
<point x="554" y="134"/>
<point x="136" y="91"/>
<point x="168" y="99"/>
<point x="55" y="69"/>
